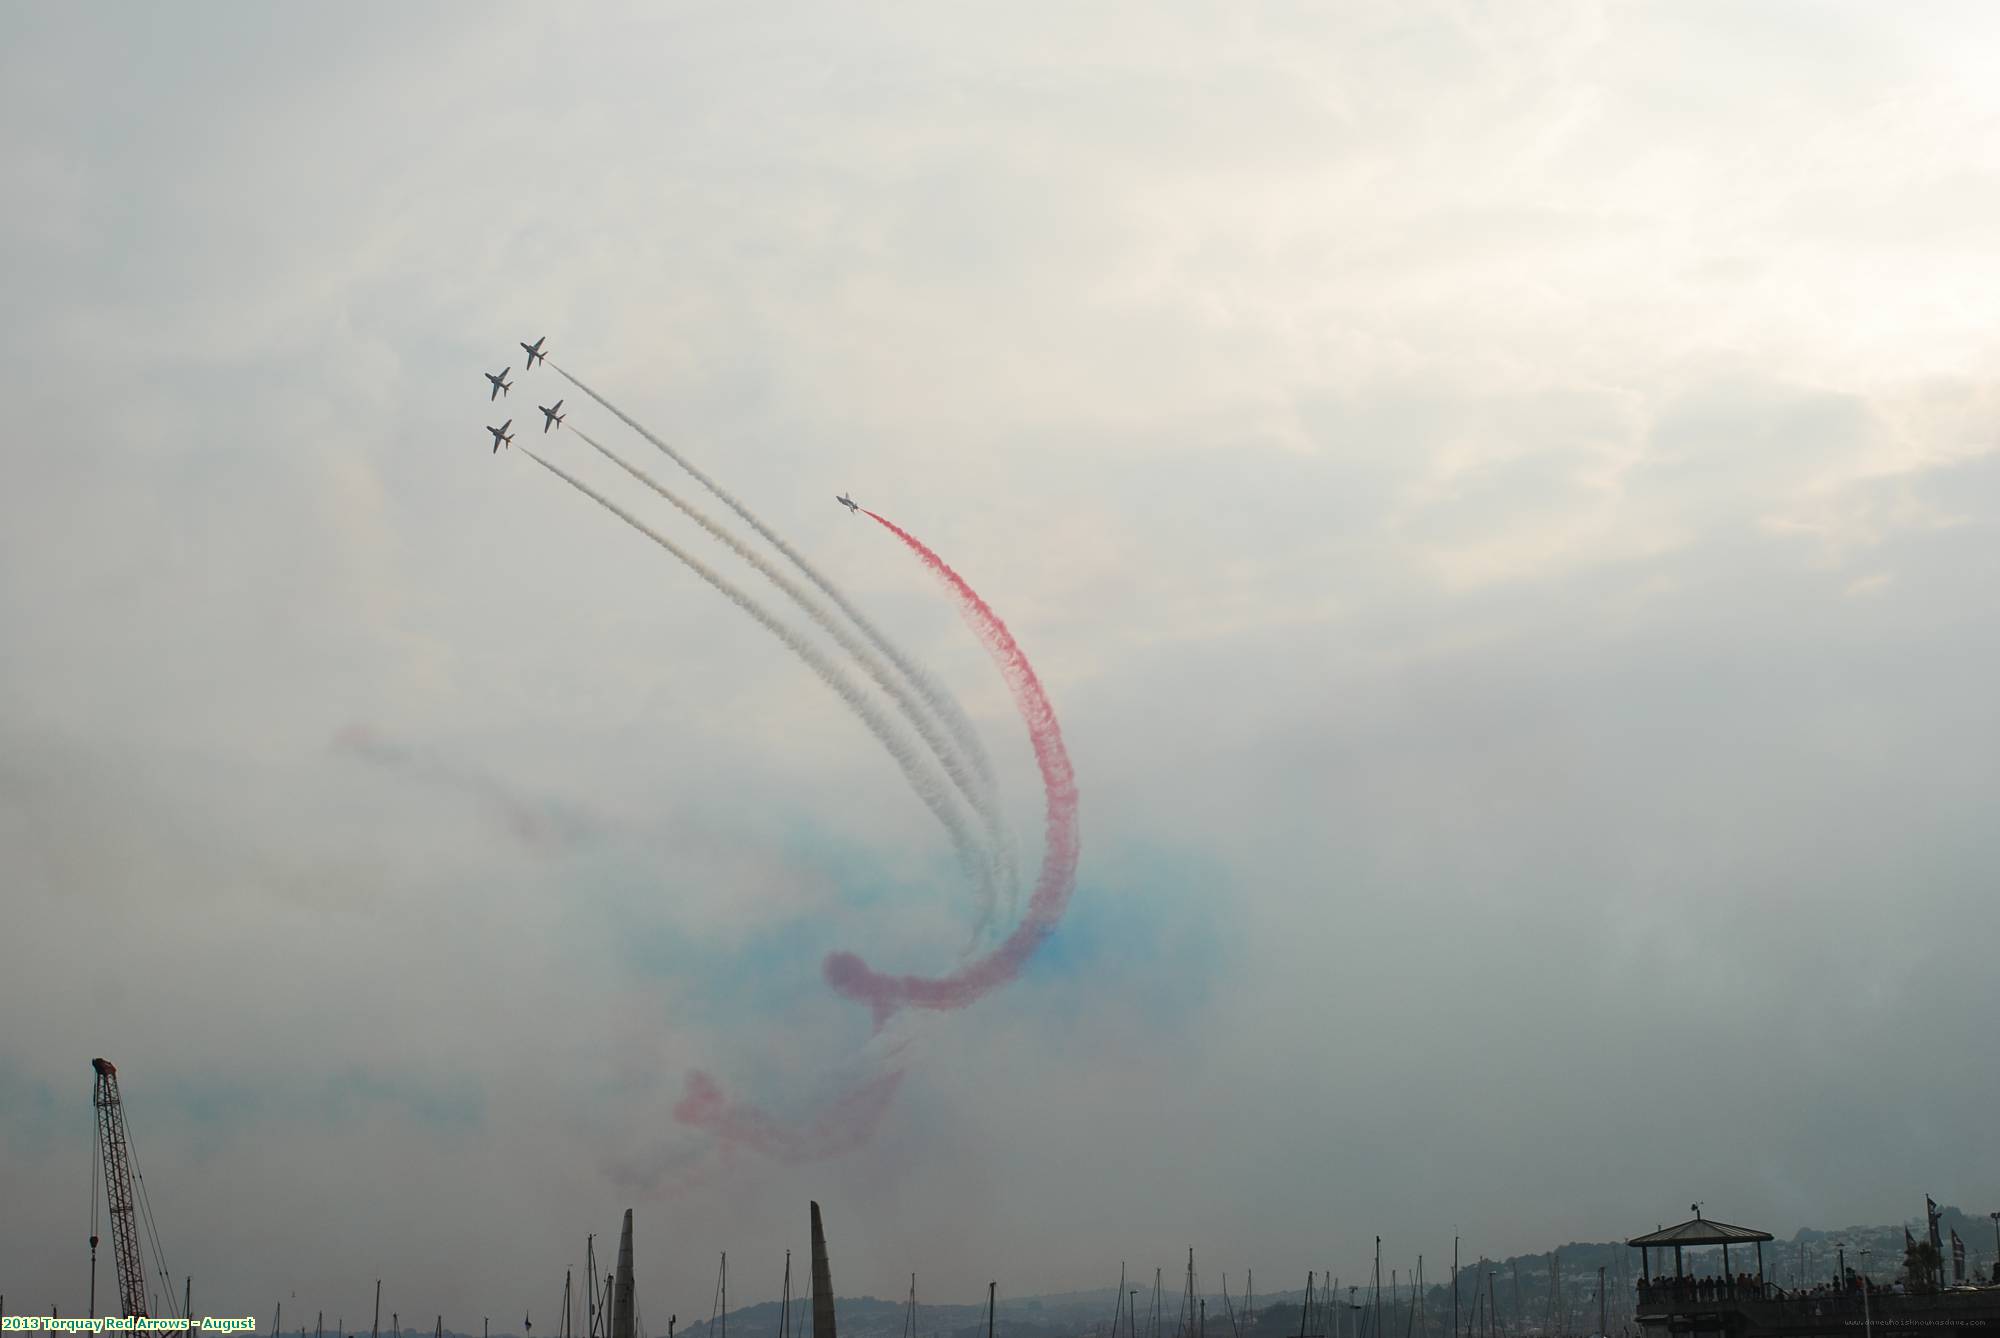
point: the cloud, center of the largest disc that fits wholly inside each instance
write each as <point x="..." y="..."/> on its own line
<point x="1507" y="524"/>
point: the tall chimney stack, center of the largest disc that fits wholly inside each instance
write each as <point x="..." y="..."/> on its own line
<point x="621" y="1294"/>
<point x="822" y="1282"/>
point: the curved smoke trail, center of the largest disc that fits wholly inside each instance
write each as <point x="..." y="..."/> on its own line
<point x="922" y="779"/>
<point x="541" y="826"/>
<point x="838" y="1125"/>
<point x="855" y="979"/>
<point x="845" y="1123"/>
<point x="934" y="695"/>
<point x="981" y="798"/>
<point x="849" y="1120"/>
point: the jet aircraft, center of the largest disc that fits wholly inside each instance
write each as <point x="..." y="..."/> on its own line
<point x="501" y="436"/>
<point x="535" y="351"/>
<point x="501" y="384"/>
<point x="550" y="417"/>
<point x="848" y="502"/>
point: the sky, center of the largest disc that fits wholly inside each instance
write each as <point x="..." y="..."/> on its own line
<point x="1502" y="500"/>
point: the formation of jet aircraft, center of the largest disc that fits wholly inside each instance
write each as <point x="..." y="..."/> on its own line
<point x="552" y="414"/>
<point x="552" y="417"/>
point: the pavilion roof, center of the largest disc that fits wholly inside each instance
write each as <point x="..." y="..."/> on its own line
<point x="1700" y="1231"/>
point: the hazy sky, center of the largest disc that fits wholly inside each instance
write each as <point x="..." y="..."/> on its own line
<point x="1502" y="499"/>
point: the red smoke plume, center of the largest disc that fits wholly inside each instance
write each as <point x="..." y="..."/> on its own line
<point x="855" y="979"/>
<point x="849" y="1121"/>
<point x="844" y="1124"/>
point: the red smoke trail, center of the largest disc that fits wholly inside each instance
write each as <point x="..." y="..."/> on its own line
<point x="854" y="978"/>
<point x="844" y="1124"/>
<point x="849" y="1121"/>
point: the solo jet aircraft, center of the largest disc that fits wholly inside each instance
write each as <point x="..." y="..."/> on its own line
<point x="535" y="351"/>
<point x="848" y="502"/>
<point x="501" y="436"/>
<point x="501" y="385"/>
<point x="550" y="417"/>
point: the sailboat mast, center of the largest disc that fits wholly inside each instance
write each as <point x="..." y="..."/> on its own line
<point x="1188" y="1320"/>
<point x="623" y="1285"/>
<point x="785" y="1305"/>
<point x="822" y="1281"/>
<point x="1375" y="1302"/>
<point x="1454" y="1287"/>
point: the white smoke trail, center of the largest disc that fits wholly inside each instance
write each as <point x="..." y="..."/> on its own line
<point x="981" y="798"/>
<point x="922" y="777"/>
<point x="934" y="695"/>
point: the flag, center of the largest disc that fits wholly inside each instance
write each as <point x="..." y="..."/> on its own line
<point x="1957" y="1257"/>
<point x="1909" y="1241"/>
<point x="1931" y="1211"/>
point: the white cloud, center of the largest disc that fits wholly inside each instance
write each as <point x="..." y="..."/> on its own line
<point x="1509" y="490"/>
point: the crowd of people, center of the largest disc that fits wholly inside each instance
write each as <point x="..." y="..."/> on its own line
<point x="1742" y="1287"/>
<point x="1749" y="1287"/>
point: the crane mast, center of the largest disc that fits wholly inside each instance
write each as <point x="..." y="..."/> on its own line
<point x="115" y="1151"/>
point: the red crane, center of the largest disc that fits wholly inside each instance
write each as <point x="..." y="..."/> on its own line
<point x="115" y="1150"/>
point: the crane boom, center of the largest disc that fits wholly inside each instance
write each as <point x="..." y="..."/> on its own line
<point x="115" y="1150"/>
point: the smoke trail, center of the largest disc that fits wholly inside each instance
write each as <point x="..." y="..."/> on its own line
<point x="540" y="826"/>
<point x="845" y="1123"/>
<point x="981" y="798"/>
<point x="922" y="779"/>
<point x="852" y="977"/>
<point x="849" y="1121"/>
<point x="934" y="695"/>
